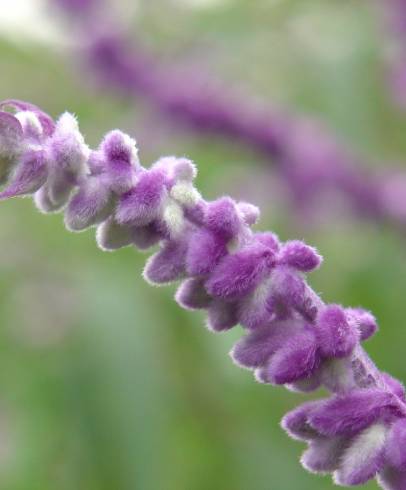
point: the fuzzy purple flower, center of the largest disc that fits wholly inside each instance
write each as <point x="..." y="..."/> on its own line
<point x="237" y="275"/>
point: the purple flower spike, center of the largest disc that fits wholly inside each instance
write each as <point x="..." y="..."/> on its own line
<point x="239" y="273"/>
<point x="350" y="413"/>
<point x="297" y="359"/>
<point x="336" y="337"/>
<point x="236" y="275"/>
<point x="396" y="444"/>
<point x="30" y="174"/>
<point x="300" y="256"/>
<point x="192" y="294"/>
<point x="364" y="458"/>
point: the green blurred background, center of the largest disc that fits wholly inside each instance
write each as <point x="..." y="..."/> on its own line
<point x="106" y="384"/>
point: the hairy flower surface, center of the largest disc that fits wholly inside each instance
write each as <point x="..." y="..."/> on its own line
<point x="238" y="275"/>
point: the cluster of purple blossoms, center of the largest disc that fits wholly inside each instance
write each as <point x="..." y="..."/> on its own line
<point x="238" y="275"/>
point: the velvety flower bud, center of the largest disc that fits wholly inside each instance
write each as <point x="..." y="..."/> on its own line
<point x="204" y="252"/>
<point x="350" y="413"/>
<point x="300" y="256"/>
<point x="238" y="274"/>
<point x="11" y="143"/>
<point x="255" y="348"/>
<point x="67" y="164"/>
<point x="297" y="359"/>
<point x="117" y="145"/>
<point x="111" y="236"/>
<point x="336" y="336"/>
<point x="396" y="444"/>
<point x="167" y="265"/>
<point x="250" y="213"/>
<point x="146" y="236"/>
<point x="288" y="288"/>
<point x="268" y="239"/>
<point x="221" y="315"/>
<point x="324" y="454"/>
<point x="47" y="123"/>
<point x="364" y="320"/>
<point x="296" y="422"/>
<point x="142" y="204"/>
<point x="92" y="204"/>
<point x="29" y="175"/>
<point x="222" y="218"/>
<point x="31" y="125"/>
<point x="11" y="135"/>
<point x="257" y="308"/>
<point x="192" y="294"/>
<point x="364" y="458"/>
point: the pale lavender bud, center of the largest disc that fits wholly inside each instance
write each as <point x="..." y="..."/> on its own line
<point x="29" y="175"/>
<point x="192" y="294"/>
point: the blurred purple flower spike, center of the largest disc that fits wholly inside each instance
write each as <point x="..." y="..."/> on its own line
<point x="249" y="278"/>
<point x="308" y="157"/>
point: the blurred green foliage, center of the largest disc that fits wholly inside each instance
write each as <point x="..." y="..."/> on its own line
<point x="105" y="383"/>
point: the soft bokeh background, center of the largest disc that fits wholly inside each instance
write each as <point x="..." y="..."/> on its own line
<point x="105" y="383"/>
